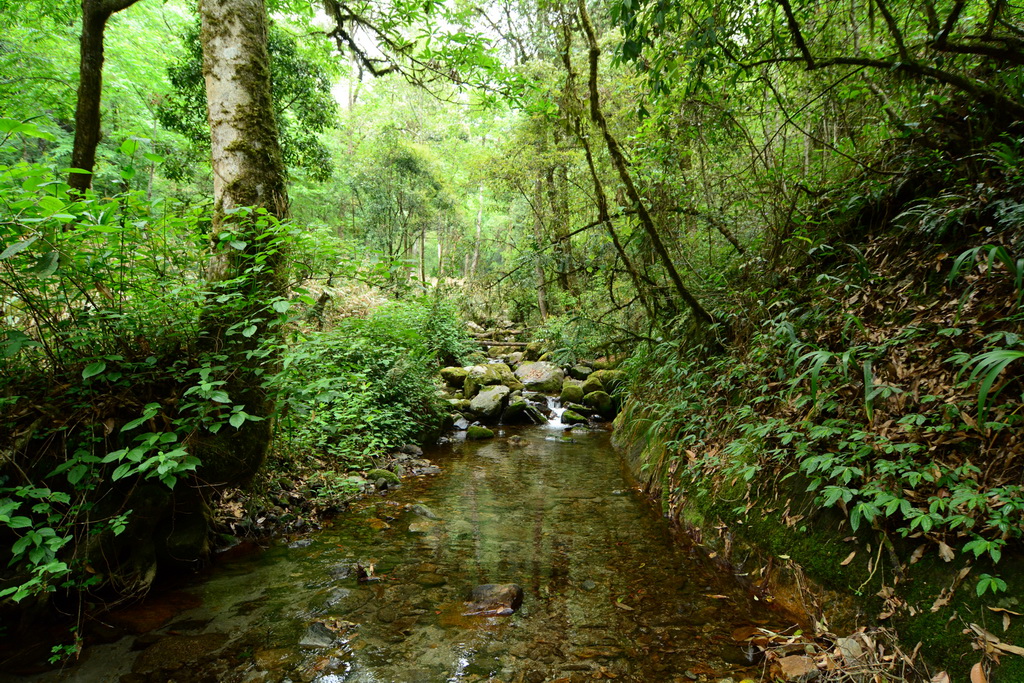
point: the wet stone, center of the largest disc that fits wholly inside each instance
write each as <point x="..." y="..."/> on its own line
<point x="494" y="599"/>
<point x="317" y="635"/>
<point x="424" y="511"/>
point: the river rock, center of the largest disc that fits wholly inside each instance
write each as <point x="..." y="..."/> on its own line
<point x="423" y="511"/>
<point x="519" y="411"/>
<point x="541" y="376"/>
<point x="461" y="424"/>
<point x="488" y="403"/>
<point x="592" y="384"/>
<point x="611" y="380"/>
<point x="601" y="402"/>
<point x="488" y="375"/>
<point x="580" y="372"/>
<point x="571" y="417"/>
<point x="387" y="475"/>
<point x="571" y="393"/>
<point x="454" y="377"/>
<point x="479" y="433"/>
<point x="317" y="635"/>
<point x="534" y="350"/>
<point x="494" y="599"/>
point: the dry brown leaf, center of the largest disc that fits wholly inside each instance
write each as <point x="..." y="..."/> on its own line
<point x="849" y="559"/>
<point x="1003" y="610"/>
<point x="978" y="674"/>
<point x="917" y="554"/>
<point x="941" y="601"/>
<point x="622" y="605"/>
<point x="945" y="552"/>
<point x="1012" y="649"/>
<point x="941" y="677"/>
<point x="1006" y="622"/>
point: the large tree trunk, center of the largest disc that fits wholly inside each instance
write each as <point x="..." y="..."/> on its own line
<point x="95" y="14"/>
<point x="248" y="172"/>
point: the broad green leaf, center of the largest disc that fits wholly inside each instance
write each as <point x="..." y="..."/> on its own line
<point x="17" y="247"/>
<point x="93" y="369"/>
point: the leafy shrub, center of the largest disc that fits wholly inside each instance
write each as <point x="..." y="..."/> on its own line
<point x="367" y="386"/>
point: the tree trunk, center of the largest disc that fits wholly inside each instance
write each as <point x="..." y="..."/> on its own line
<point x="479" y="230"/>
<point x="619" y="160"/>
<point x="538" y="266"/>
<point x="95" y="14"/>
<point x="247" y="172"/>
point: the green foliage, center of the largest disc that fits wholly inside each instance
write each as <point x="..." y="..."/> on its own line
<point x="367" y="386"/>
<point x="302" y="75"/>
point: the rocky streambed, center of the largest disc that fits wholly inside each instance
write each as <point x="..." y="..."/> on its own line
<point x="590" y="586"/>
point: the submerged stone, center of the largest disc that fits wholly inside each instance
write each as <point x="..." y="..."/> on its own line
<point x="317" y="635"/>
<point x="494" y="599"/>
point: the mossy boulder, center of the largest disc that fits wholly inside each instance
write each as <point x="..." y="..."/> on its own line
<point x="611" y="380"/>
<point x="580" y="372"/>
<point x="571" y="417"/>
<point x="571" y="393"/>
<point x="479" y="433"/>
<point x="519" y="411"/>
<point x="541" y="376"/>
<point x="387" y="475"/>
<point x="601" y="403"/>
<point x="592" y="384"/>
<point x="487" y="375"/>
<point x="454" y="377"/>
<point x="489" y="402"/>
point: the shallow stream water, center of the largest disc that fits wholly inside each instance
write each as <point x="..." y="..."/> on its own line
<point x="608" y="593"/>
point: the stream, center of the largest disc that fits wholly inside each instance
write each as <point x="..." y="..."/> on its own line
<point x="608" y="593"/>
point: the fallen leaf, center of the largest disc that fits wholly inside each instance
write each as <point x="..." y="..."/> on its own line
<point x="624" y="606"/>
<point x="978" y="674"/>
<point x="1005" y="611"/>
<point x="849" y="559"/>
<point x="1006" y="622"/>
<point x="717" y="597"/>
<point x="1012" y="649"/>
<point x="945" y="552"/>
<point x="941" y="677"/>
<point x="940" y="602"/>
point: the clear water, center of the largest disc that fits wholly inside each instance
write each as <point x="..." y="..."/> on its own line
<point x="607" y="592"/>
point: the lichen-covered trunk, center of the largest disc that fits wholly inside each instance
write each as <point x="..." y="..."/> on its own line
<point x="248" y="247"/>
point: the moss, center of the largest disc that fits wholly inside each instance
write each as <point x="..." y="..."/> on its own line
<point x="478" y="433"/>
<point x="386" y="475"/>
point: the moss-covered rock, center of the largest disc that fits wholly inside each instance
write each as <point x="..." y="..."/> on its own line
<point x="541" y="376"/>
<point x="571" y="393"/>
<point x="489" y="403"/>
<point x="386" y="475"/>
<point x="479" y="433"/>
<point x="487" y="375"/>
<point x="454" y="377"/>
<point x="611" y="380"/>
<point x="580" y="372"/>
<point x="601" y="402"/>
<point x="571" y="417"/>
<point x="591" y="384"/>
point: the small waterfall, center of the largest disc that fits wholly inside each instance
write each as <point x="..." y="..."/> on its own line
<point x="555" y="406"/>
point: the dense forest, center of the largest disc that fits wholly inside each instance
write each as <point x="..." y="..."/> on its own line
<point x="240" y="243"/>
